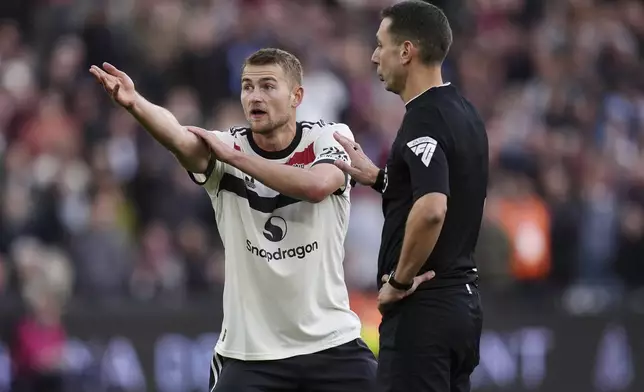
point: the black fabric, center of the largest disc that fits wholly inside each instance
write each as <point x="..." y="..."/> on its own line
<point x="211" y="166"/>
<point x="259" y="203"/>
<point x="441" y="147"/>
<point x="380" y="184"/>
<point x="423" y="153"/>
<point x="278" y="154"/>
<point x="429" y="341"/>
<point x="350" y="367"/>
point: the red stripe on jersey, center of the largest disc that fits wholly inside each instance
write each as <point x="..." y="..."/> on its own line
<point x="303" y="157"/>
<point x="237" y="147"/>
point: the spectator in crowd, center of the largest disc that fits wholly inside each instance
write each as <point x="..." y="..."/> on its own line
<point x="38" y="337"/>
<point x="558" y="83"/>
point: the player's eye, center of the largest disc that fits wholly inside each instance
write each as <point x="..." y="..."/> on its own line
<point x="269" y="87"/>
<point x="247" y="87"/>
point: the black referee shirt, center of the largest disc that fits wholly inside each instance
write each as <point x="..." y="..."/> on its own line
<point x="440" y="147"/>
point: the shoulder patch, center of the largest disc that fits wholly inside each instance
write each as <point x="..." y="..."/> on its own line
<point x="424" y="148"/>
<point x="237" y="130"/>
<point x="333" y="153"/>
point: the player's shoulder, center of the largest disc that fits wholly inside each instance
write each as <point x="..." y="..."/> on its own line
<point x="238" y="131"/>
<point x="326" y="128"/>
<point x="232" y="134"/>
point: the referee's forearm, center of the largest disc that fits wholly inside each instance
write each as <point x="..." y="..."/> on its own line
<point x="421" y="233"/>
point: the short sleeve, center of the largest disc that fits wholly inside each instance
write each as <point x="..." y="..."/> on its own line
<point x="215" y="170"/>
<point x="424" y="152"/>
<point x="328" y="150"/>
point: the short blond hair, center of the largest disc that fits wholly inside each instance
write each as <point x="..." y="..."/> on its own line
<point x="287" y="61"/>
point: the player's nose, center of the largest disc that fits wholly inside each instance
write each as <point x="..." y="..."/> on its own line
<point x="255" y="99"/>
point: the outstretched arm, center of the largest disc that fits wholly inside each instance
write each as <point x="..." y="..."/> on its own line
<point x="189" y="150"/>
<point x="312" y="185"/>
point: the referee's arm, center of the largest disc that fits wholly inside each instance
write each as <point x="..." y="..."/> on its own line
<point x="429" y="174"/>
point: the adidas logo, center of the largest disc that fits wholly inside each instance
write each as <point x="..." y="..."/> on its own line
<point x="424" y="148"/>
<point x="250" y="182"/>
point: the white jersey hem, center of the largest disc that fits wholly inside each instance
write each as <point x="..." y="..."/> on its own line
<point x="343" y="339"/>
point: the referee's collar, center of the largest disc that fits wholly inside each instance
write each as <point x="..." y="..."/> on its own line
<point x="431" y="88"/>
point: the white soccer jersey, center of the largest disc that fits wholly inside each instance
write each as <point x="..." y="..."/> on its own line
<point x="284" y="292"/>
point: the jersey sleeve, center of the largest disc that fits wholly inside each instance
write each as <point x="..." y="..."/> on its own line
<point x="215" y="170"/>
<point x="328" y="150"/>
<point x="424" y="152"/>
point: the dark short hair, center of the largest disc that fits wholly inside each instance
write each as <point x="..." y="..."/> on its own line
<point x="287" y="61"/>
<point x="423" y="24"/>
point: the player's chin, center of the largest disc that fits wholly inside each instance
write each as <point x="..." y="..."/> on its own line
<point x="260" y="126"/>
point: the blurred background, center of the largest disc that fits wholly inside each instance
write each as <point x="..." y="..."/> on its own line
<point x="110" y="261"/>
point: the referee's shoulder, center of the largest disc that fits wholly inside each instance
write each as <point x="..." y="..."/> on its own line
<point x="424" y="116"/>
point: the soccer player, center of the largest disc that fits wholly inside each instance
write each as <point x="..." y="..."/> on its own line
<point x="433" y="189"/>
<point x="282" y="208"/>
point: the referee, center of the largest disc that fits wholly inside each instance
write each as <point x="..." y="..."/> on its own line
<point x="433" y="189"/>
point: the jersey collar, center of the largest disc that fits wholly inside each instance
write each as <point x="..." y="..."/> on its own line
<point x="277" y="154"/>
<point x="442" y="85"/>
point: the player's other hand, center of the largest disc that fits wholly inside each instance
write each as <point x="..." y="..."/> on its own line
<point x="116" y="83"/>
<point x="389" y="295"/>
<point x="361" y="168"/>
<point x="220" y="150"/>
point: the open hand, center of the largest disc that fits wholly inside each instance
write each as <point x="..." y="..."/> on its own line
<point x="221" y="151"/>
<point x="116" y="83"/>
<point x="361" y="168"/>
<point x="388" y="295"/>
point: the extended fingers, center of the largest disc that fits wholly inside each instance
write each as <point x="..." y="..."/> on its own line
<point x="197" y="131"/>
<point x="345" y="167"/>
<point x="107" y="80"/>
<point x="112" y="70"/>
<point x="349" y="146"/>
<point x="98" y="73"/>
<point x="95" y="71"/>
<point x="426" y="276"/>
<point x="203" y="134"/>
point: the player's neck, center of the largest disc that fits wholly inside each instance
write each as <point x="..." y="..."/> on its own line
<point x="419" y="81"/>
<point x="278" y="139"/>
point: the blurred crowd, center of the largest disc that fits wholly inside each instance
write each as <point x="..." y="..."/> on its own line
<point x="93" y="209"/>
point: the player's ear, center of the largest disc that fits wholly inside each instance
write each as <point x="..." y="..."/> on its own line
<point x="297" y="95"/>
